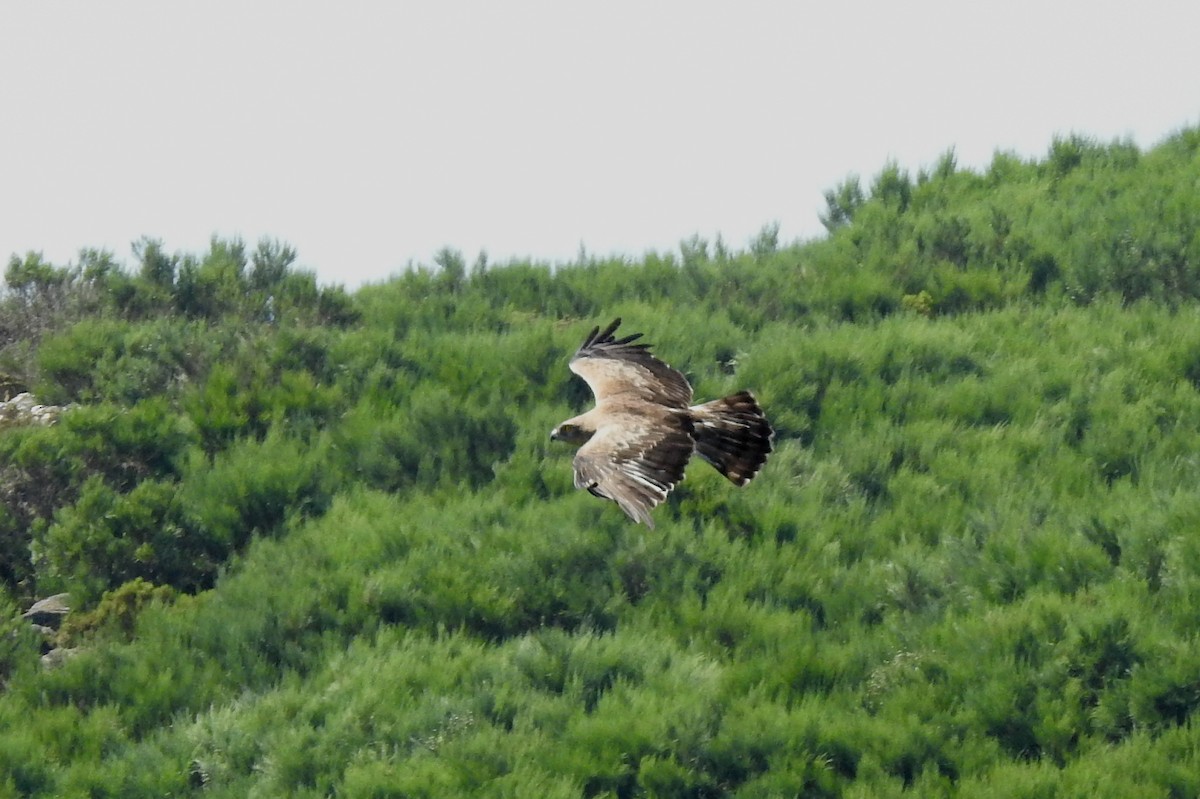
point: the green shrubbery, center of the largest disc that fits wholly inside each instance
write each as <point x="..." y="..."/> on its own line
<point x="319" y="544"/>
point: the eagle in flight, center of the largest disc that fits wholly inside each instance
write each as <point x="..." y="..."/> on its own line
<point x="634" y="445"/>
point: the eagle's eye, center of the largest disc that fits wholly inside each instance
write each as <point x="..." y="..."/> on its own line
<point x="571" y="433"/>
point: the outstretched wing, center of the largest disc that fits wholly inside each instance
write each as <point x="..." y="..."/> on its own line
<point x="635" y="461"/>
<point x="614" y="367"/>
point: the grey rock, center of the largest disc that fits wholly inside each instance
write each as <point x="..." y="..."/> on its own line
<point x="49" y="612"/>
<point x="56" y="657"/>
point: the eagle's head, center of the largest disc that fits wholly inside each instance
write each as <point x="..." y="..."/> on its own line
<point x="571" y="433"/>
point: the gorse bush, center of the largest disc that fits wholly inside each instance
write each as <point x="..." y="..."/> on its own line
<point x="320" y="544"/>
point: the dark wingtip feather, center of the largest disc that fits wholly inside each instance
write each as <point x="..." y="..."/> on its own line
<point x="605" y="339"/>
<point x="598" y="336"/>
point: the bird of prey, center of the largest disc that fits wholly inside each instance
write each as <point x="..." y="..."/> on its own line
<point x="636" y="441"/>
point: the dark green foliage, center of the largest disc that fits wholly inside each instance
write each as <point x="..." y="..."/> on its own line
<point x="251" y="489"/>
<point x="106" y="538"/>
<point x="17" y="641"/>
<point x="319" y="543"/>
<point x="116" y="613"/>
<point x="105" y="448"/>
<point x="842" y="204"/>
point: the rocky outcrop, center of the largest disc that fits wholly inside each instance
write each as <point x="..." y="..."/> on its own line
<point x="46" y="617"/>
<point x="48" y="612"/>
<point x="58" y="656"/>
<point x="24" y="409"/>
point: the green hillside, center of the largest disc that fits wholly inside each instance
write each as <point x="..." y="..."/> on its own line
<point x="319" y="544"/>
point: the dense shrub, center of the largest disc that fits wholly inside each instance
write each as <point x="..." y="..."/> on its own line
<point x="319" y="543"/>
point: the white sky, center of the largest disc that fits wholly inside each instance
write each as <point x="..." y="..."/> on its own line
<point x="369" y="135"/>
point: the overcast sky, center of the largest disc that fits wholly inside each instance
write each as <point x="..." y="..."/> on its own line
<point x="370" y="135"/>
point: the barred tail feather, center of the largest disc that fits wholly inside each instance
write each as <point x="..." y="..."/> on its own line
<point x="733" y="435"/>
